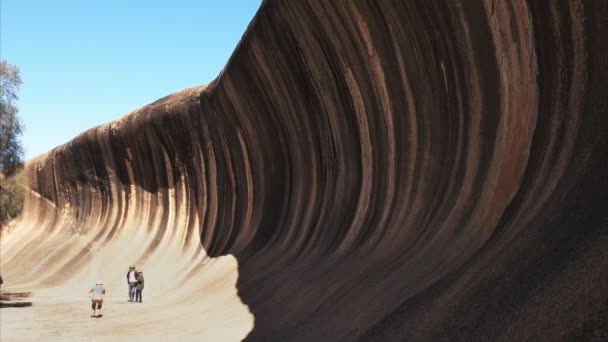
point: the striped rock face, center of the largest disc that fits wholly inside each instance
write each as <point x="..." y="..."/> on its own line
<point x="382" y="170"/>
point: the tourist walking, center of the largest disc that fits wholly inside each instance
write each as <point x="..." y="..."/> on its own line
<point x="97" y="298"/>
<point x="132" y="281"/>
<point x="139" y="287"/>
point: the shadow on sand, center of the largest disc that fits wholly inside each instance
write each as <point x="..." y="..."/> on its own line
<point x="13" y="299"/>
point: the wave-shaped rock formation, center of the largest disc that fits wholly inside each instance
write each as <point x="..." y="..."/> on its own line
<point x="380" y="170"/>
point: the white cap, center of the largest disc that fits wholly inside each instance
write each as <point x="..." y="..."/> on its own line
<point x="99" y="282"/>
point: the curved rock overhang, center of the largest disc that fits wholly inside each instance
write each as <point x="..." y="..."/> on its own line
<point x="385" y="170"/>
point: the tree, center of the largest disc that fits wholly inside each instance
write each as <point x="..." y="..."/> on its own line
<point x="11" y="151"/>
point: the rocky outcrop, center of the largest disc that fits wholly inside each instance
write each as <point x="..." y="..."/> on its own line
<point x="383" y="170"/>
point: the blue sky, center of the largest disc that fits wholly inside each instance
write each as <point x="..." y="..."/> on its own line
<point x="84" y="63"/>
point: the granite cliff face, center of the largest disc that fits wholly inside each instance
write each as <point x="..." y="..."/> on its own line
<point x="383" y="170"/>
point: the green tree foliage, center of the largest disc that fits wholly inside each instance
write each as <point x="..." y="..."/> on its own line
<point x="11" y="151"/>
<point x="11" y="198"/>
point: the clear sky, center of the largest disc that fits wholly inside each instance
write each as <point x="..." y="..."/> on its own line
<point x="84" y="63"/>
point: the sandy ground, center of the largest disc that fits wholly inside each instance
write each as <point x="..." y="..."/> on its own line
<point x="214" y="313"/>
<point x="187" y="295"/>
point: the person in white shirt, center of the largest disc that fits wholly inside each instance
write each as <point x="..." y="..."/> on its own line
<point x="132" y="281"/>
<point x="97" y="298"/>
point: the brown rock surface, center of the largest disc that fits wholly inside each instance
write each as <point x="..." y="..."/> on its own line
<point x="375" y="170"/>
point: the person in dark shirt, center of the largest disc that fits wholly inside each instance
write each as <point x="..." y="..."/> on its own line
<point x="139" y="287"/>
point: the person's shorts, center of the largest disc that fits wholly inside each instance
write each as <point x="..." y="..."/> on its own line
<point x="97" y="300"/>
